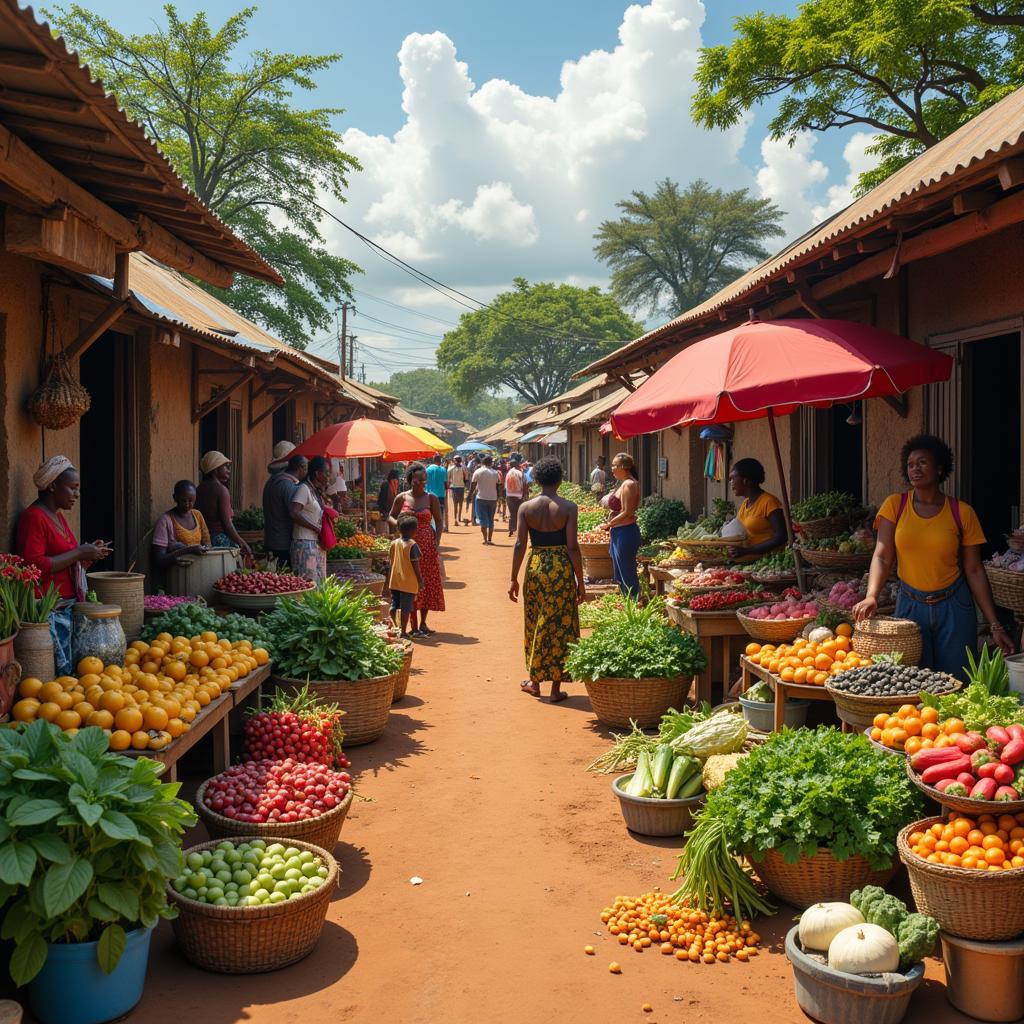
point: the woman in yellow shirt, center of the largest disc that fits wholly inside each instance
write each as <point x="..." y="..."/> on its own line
<point x="936" y="543"/>
<point x="760" y="512"/>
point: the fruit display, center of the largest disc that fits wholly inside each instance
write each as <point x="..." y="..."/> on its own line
<point x="988" y="842"/>
<point x="891" y="679"/>
<point x="249" y="874"/>
<point x="356" y="574"/>
<point x="656" y="921"/>
<point x="261" y="581"/>
<point x="976" y="766"/>
<point x="844" y="594"/>
<point x="779" y="565"/>
<point x="702" y="578"/>
<point x="193" y="619"/>
<point x="149" y="702"/>
<point x="913" y="727"/>
<point x="1012" y="560"/>
<point x="807" y="662"/>
<point x="780" y="611"/>
<point x="598" y="535"/>
<point x="296" y="726"/>
<point x="268" y="791"/>
<point x="722" y="600"/>
<point x="157" y="603"/>
<point x="359" y="545"/>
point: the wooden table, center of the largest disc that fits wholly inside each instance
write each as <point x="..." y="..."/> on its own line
<point x="706" y="627"/>
<point x="211" y="721"/>
<point x="783" y="691"/>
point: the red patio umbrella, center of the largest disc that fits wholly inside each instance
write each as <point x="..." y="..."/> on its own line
<point x="365" y="439"/>
<point x="769" y="369"/>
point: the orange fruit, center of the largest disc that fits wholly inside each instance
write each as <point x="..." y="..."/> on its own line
<point x="140" y="740"/>
<point x="819" y="678"/>
<point x="160" y="740"/>
<point x="128" y="720"/>
<point x="120" y="740"/>
<point x="25" y="710"/>
<point x="261" y="655"/>
<point x="112" y="700"/>
<point x="844" y="629"/>
<point x="63" y="700"/>
<point x="101" y="719"/>
<point x="994" y="856"/>
<point x="90" y="665"/>
<point x="822" y="661"/>
<point x="67" y="720"/>
<point x="200" y="659"/>
<point x="30" y="687"/>
<point x="952" y="726"/>
<point x="912" y="745"/>
<point x="48" y="691"/>
<point x="48" y="710"/>
<point x="175" y="727"/>
<point x="154" y="718"/>
<point x="175" y="670"/>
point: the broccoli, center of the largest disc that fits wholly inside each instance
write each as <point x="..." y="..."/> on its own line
<point x="916" y="936"/>
<point x="878" y="907"/>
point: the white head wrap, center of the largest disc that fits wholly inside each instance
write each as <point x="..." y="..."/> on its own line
<point x="50" y="470"/>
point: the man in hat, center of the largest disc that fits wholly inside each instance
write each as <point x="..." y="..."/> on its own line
<point x="515" y="488"/>
<point x="287" y="471"/>
<point x="213" y="499"/>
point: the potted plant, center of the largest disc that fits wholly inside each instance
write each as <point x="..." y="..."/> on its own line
<point x="327" y="639"/>
<point x="636" y="666"/>
<point x="88" y="839"/>
<point x="24" y="619"/>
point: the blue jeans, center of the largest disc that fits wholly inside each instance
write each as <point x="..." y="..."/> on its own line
<point x="60" y="633"/>
<point x="948" y="627"/>
<point x="625" y="543"/>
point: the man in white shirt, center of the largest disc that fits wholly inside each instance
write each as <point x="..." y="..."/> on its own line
<point x="514" y="487"/>
<point x="484" y="489"/>
<point x="597" y="476"/>
<point x="457" y="485"/>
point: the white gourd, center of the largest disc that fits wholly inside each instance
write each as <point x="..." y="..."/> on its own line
<point x="819" y="634"/>
<point x="820" y="924"/>
<point x="864" y="949"/>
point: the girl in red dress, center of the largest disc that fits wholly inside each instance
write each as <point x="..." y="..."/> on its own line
<point x="426" y="508"/>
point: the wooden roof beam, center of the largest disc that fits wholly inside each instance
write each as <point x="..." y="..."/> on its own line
<point x="39" y="101"/>
<point x="970" y="200"/>
<point x="59" y="129"/>
<point x="93" y="158"/>
<point x="113" y="181"/>
<point x="1011" y="173"/>
<point x="20" y="60"/>
<point x="169" y="249"/>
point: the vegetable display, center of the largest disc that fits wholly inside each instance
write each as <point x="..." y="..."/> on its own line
<point x="660" y="517"/>
<point x="590" y="519"/>
<point x="982" y="767"/>
<point x="358" y="545"/>
<point x="913" y="727"/>
<point x="916" y="935"/>
<point x="781" y="611"/>
<point x="821" y="923"/>
<point x="723" y="600"/>
<point x="864" y="949"/>
<point x="297" y="726"/>
<point x="985" y="843"/>
<point x="824" y="506"/>
<point x="702" y="578"/>
<point x="626" y="749"/>
<point x="890" y="679"/>
<point x="596" y="535"/>
<point x="250" y="518"/>
<point x="776" y="565"/>
<point x="261" y="581"/>
<point x="191" y="620"/>
<point x="165" y="602"/>
<point x="986" y="700"/>
<point x="667" y="775"/>
<point x="250" y="874"/>
<point x="594" y="614"/>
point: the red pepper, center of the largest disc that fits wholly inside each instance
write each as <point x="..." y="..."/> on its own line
<point x="969" y="742"/>
<point x="1016" y="731"/>
<point x="1013" y="752"/>
<point x="934" y="755"/>
<point x="945" y="770"/>
<point x="988" y="770"/>
<point x="953" y="787"/>
<point x="1006" y="793"/>
<point x="967" y="779"/>
<point x="984" y="789"/>
<point x="1004" y="774"/>
<point x="980" y="757"/>
<point x="998" y="735"/>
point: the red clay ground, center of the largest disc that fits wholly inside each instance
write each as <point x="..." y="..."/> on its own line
<point x="481" y="791"/>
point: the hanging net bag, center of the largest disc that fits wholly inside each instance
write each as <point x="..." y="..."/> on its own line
<point x="60" y="400"/>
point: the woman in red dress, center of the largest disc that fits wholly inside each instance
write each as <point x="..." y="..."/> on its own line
<point x="426" y="508"/>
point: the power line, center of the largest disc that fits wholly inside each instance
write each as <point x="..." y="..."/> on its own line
<point x="401" y="327"/>
<point x="407" y="309"/>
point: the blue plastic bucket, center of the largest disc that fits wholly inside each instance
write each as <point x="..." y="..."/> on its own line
<point x="71" y="988"/>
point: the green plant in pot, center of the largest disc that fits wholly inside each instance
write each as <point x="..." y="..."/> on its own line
<point x="88" y="839"/>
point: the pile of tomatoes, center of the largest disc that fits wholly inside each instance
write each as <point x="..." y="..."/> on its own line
<point x="807" y="663"/>
<point x="989" y="843"/>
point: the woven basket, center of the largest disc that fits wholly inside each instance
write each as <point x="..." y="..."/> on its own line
<point x="1007" y="588"/>
<point x="773" y="631"/>
<point x="987" y="906"/>
<point x="127" y="589"/>
<point x="253" y="940"/>
<point x="596" y="568"/>
<point x="60" y="400"/>
<point x="964" y="804"/>
<point x="884" y="634"/>
<point x="774" y="582"/>
<point x="859" y="710"/>
<point x="322" y="831"/>
<point x="337" y="566"/>
<point x="819" y="529"/>
<point x="33" y="648"/>
<point x="589" y="550"/>
<point x="855" y="562"/>
<point x="818" y="879"/>
<point x="402" y="679"/>
<point x="618" y="702"/>
<point x="366" y="702"/>
<point x="710" y="551"/>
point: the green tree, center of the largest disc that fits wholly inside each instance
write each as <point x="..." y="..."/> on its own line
<point x="912" y="70"/>
<point x="673" y="249"/>
<point x="427" y="390"/>
<point x="531" y="340"/>
<point x="232" y="133"/>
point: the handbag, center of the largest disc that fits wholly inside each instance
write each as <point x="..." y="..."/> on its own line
<point x="327" y="539"/>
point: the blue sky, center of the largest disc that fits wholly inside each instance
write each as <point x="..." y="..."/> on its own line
<point x="501" y="163"/>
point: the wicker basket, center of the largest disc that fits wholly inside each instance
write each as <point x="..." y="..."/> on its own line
<point x="884" y="634"/>
<point x="597" y="568"/>
<point x="337" y="566"/>
<point x="33" y="648"/>
<point x="859" y="710"/>
<point x="711" y="551"/>
<point x="987" y="906"/>
<point x="854" y="561"/>
<point x="402" y="679"/>
<point x="964" y="804"/>
<point x="819" y="529"/>
<point x="619" y="702"/>
<point x="60" y="400"/>
<point x="590" y="550"/>
<point x="773" y="631"/>
<point x="322" y="831"/>
<point x="649" y="817"/>
<point x="1007" y="588"/>
<point x="127" y="589"/>
<point x="253" y="940"/>
<point x="773" y="582"/>
<point x="818" y="879"/>
<point x="881" y="746"/>
<point x="366" y="702"/>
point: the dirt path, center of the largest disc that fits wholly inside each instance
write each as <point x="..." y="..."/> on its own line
<point x="481" y="792"/>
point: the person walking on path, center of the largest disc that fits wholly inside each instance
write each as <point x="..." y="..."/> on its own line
<point x="457" y="487"/>
<point x="307" y="509"/>
<point x="597" y="476"/>
<point x="554" y="586"/>
<point x="514" y="488"/>
<point x="213" y="499"/>
<point x="404" y="576"/>
<point x="624" y="540"/>
<point x="437" y="485"/>
<point x="427" y="510"/>
<point x="278" y="492"/>
<point x="485" y="489"/>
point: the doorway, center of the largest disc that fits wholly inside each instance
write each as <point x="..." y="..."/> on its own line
<point x="221" y="430"/>
<point x="846" y="449"/>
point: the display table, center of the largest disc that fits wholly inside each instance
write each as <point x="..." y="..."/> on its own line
<point x="706" y="627"/>
<point x="211" y="721"/>
<point x="783" y="691"/>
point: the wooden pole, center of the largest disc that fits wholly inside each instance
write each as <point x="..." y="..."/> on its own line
<point x="366" y="515"/>
<point x="785" y="501"/>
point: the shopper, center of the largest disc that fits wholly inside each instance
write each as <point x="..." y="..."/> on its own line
<point x="935" y="541"/>
<point x="457" y="487"/>
<point x="405" y="579"/>
<point x="181" y="530"/>
<point x="624" y="534"/>
<point x="598" y="477"/>
<point x="437" y="485"/>
<point x="278" y="492"/>
<point x="484" y="489"/>
<point x="307" y="509"/>
<point x="514" y="490"/>
<point x="213" y="499"/>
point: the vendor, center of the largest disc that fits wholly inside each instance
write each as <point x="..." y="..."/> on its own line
<point x="213" y="500"/>
<point x="624" y="535"/>
<point x="760" y="513"/>
<point x="307" y="509"/>
<point x="181" y="530"/>
<point x="936" y="543"/>
<point x="45" y="540"/>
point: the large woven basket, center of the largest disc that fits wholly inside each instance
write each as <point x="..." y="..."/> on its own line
<point x="59" y="400"/>
<point x="711" y="551"/>
<point x="818" y="879"/>
<point x="775" y="582"/>
<point x="596" y="568"/>
<point x="1007" y="587"/>
<point x="987" y="906"/>
<point x="366" y="702"/>
<point x="322" y="831"/>
<point x="402" y="680"/>
<point x="589" y="550"/>
<point x="819" y="529"/>
<point x="963" y="804"/>
<point x="127" y="589"/>
<point x="618" y="702"/>
<point x="253" y="940"/>
<point x="859" y="710"/>
<point x="33" y="649"/>
<point x="773" y="631"/>
<point x="884" y="634"/>
<point x="854" y="561"/>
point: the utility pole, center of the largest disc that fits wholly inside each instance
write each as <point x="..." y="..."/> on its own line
<point x="352" y="355"/>
<point x="345" y="307"/>
<point x="362" y="372"/>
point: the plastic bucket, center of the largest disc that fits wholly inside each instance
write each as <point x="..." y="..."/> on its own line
<point x="761" y="716"/>
<point x="1015" y="663"/>
<point x="985" y="980"/>
<point x="71" y="988"/>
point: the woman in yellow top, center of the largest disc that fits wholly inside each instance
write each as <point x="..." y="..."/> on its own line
<point x="760" y="513"/>
<point x="936" y="543"/>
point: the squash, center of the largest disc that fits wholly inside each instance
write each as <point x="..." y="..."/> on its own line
<point x="864" y="949"/>
<point x="820" y="924"/>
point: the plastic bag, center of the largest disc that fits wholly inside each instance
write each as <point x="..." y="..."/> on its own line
<point x="734" y="530"/>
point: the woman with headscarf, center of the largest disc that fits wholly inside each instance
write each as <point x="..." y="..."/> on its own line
<point x="213" y="500"/>
<point x="308" y="508"/>
<point x="45" y="540"/>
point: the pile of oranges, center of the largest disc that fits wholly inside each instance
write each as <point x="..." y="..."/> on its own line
<point x="992" y="843"/>
<point x="807" y="663"/>
<point x="148" y="702"/>
<point x="912" y="728"/>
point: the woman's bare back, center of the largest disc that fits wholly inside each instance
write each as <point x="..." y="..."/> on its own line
<point x="546" y="514"/>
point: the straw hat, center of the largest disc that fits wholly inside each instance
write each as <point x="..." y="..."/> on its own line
<point x="212" y="461"/>
<point x="280" y="454"/>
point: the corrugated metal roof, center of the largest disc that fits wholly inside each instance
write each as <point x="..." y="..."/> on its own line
<point x="494" y="428"/>
<point x="413" y="419"/>
<point x="990" y="137"/>
<point x="598" y="409"/>
<point x="75" y="123"/>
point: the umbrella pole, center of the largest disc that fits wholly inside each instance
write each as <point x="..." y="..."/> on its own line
<point x="785" y="502"/>
<point x="366" y="515"/>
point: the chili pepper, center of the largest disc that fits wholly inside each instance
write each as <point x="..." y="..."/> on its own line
<point x="969" y="742"/>
<point x="984" y="789"/>
<point x="945" y="770"/>
<point x="998" y="735"/>
<point x="1004" y="774"/>
<point x="1006" y="793"/>
<point x="980" y="757"/>
<point x="1013" y="752"/>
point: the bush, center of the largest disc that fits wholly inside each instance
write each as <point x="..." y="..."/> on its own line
<point x="659" y="518"/>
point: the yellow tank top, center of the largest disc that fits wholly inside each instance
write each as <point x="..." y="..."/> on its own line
<point x="402" y="576"/>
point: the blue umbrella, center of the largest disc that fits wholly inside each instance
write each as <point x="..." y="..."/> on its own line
<point x="474" y="446"/>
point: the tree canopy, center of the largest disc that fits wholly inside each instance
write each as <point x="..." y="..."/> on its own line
<point x="673" y="249"/>
<point x="911" y="70"/>
<point x="233" y="134"/>
<point x="531" y="340"/>
<point x="427" y="390"/>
